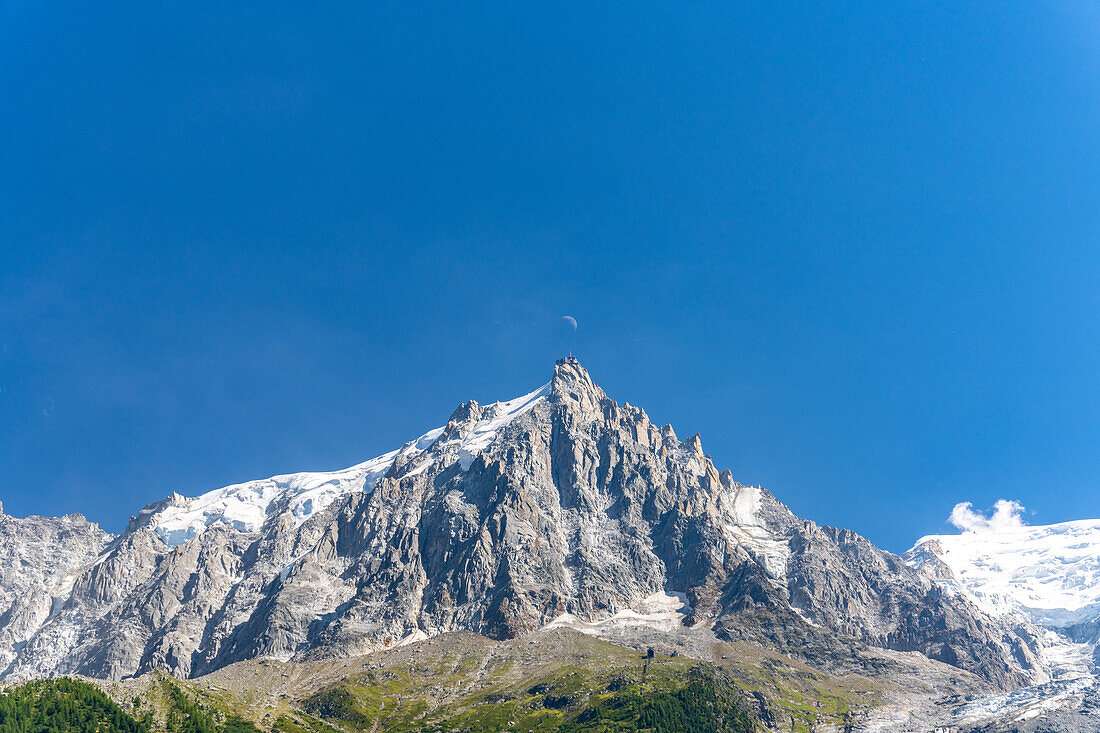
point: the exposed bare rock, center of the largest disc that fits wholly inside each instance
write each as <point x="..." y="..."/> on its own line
<point x="40" y="558"/>
<point x="559" y="504"/>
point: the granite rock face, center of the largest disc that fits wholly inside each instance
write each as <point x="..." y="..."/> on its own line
<point x="40" y="558"/>
<point x="509" y="517"/>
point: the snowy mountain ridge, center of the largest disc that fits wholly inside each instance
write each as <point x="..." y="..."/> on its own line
<point x="1049" y="574"/>
<point x="246" y="506"/>
<point x="1045" y="575"/>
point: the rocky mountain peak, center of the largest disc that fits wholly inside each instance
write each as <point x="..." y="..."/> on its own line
<point x="555" y="507"/>
<point x="573" y="386"/>
<point x="467" y="413"/>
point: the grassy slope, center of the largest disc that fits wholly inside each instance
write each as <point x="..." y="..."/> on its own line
<point x="572" y="696"/>
<point x="551" y="681"/>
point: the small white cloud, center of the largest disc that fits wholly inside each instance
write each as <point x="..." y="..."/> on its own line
<point x="1006" y="515"/>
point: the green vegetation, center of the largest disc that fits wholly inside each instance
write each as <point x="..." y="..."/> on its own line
<point x="187" y="716"/>
<point x="596" y="687"/>
<point x="71" y="706"/>
<point x="799" y="697"/>
<point x="705" y="705"/>
<point x="285" y="724"/>
<point x="558" y="682"/>
<point x="63" y="705"/>
<point x="338" y="703"/>
<point x="678" y="696"/>
<point x="233" y="724"/>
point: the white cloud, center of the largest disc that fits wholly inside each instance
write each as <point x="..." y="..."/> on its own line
<point x="1006" y="515"/>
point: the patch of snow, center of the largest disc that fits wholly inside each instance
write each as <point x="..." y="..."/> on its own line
<point x="660" y="610"/>
<point x="245" y="507"/>
<point x="285" y="572"/>
<point x="746" y="529"/>
<point x="495" y="417"/>
<point x="1046" y="575"/>
<point x="1067" y="659"/>
<point x="414" y="637"/>
<point x="1022" y="704"/>
<point x="746" y="503"/>
<point x="425" y="441"/>
<point x="60" y="596"/>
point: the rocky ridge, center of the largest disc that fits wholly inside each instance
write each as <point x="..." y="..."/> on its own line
<point x="40" y="559"/>
<point x="559" y="505"/>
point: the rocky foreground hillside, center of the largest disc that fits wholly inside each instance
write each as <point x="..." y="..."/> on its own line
<point x="556" y="680"/>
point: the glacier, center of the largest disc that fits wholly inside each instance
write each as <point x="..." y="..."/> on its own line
<point x="1049" y="574"/>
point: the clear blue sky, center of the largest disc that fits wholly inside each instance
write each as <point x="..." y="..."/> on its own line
<point x="855" y="245"/>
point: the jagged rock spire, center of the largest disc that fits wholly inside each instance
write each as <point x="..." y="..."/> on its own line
<point x="573" y="386"/>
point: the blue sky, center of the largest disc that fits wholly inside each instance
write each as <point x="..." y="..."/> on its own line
<point x="855" y="245"/>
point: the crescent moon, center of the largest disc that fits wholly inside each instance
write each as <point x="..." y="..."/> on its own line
<point x="571" y="321"/>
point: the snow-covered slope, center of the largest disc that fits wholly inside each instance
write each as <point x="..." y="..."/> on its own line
<point x="492" y="420"/>
<point x="245" y="507"/>
<point x="1049" y="574"/>
<point x="1044" y="575"/>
